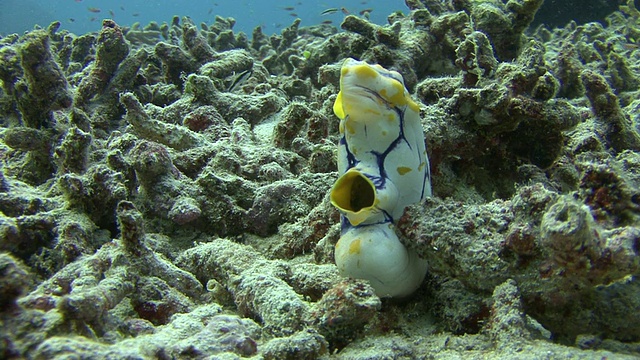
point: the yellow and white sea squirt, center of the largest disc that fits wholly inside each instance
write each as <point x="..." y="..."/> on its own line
<point x="383" y="167"/>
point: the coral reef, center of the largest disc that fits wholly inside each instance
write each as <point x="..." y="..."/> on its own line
<point x="164" y="189"/>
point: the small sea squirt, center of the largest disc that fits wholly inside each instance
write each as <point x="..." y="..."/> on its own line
<point x="383" y="168"/>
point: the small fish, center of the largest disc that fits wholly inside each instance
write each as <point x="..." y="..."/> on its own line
<point x="112" y="14"/>
<point x="365" y="11"/>
<point x="239" y="79"/>
<point x="93" y="18"/>
<point x="135" y="14"/>
<point x="94" y="9"/>
<point x="329" y="11"/>
<point x="344" y="10"/>
<point x="327" y="22"/>
<point x="78" y="0"/>
<point x="72" y="20"/>
<point x="210" y="11"/>
<point x="288" y="8"/>
<point x="293" y="14"/>
<point x="122" y="8"/>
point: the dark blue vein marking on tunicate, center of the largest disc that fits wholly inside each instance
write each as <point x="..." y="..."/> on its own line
<point x="387" y="216"/>
<point x="400" y="113"/>
<point x="351" y="159"/>
<point x="426" y="172"/>
<point x="381" y="157"/>
<point x="377" y="181"/>
<point x="380" y="182"/>
<point x="393" y="76"/>
<point x="345" y="225"/>
<point x="427" y="177"/>
<point x="373" y="95"/>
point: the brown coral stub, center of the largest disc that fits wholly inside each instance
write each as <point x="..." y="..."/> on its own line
<point x="14" y="280"/>
<point x="607" y="194"/>
<point x="294" y="119"/>
<point x="619" y="132"/>
<point x="568" y="231"/>
<point x="305" y="344"/>
<point x="111" y="50"/>
<point x="46" y="87"/>
<point x="205" y="117"/>
<point x="521" y="240"/>
<point x="618" y="257"/>
<point x="131" y="226"/>
<point x="507" y="325"/>
<point x="154" y="301"/>
<point x="475" y="57"/>
<point x="344" y="310"/>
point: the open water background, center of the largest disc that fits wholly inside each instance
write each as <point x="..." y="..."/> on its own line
<point x="21" y="15"/>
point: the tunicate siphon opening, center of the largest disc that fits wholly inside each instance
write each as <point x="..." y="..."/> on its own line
<point x="353" y="192"/>
<point x="362" y="195"/>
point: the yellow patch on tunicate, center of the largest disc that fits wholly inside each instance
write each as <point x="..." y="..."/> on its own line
<point x="413" y="105"/>
<point x="341" y="127"/>
<point x="383" y="93"/>
<point x="348" y="109"/>
<point x="355" y="247"/>
<point x="383" y="133"/>
<point x="403" y="170"/>
<point x="422" y="164"/>
<point x="398" y="98"/>
<point x="372" y="112"/>
<point x="349" y="127"/>
<point x="338" y="108"/>
<point x="391" y="117"/>
<point x="365" y="71"/>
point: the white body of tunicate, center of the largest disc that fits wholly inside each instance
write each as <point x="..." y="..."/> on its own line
<point x="374" y="253"/>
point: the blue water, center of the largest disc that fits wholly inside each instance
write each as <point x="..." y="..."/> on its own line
<point x="17" y="16"/>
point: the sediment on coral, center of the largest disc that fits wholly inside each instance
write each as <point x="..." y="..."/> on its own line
<point x="163" y="188"/>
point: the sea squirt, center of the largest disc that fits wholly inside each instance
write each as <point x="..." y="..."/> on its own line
<point x="383" y="167"/>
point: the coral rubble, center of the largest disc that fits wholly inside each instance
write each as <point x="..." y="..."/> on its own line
<point x="164" y="189"/>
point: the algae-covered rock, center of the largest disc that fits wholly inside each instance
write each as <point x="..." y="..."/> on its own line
<point x="163" y="187"/>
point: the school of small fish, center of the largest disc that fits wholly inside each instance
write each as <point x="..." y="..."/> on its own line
<point x="365" y="13"/>
<point x="112" y="13"/>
